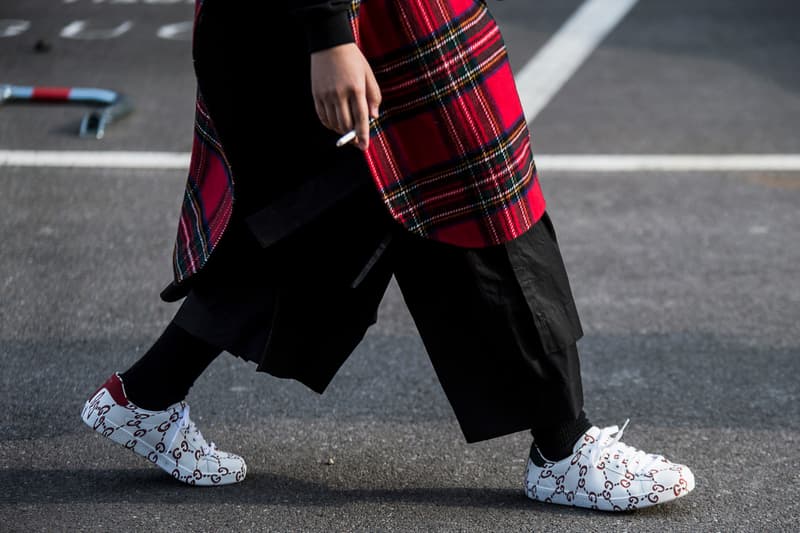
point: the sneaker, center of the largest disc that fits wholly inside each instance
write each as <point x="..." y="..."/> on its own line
<point x="603" y="473"/>
<point x="168" y="438"/>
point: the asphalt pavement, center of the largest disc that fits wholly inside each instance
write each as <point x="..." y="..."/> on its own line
<point x="687" y="284"/>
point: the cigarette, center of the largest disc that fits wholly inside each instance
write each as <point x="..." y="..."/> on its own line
<point x="346" y="138"/>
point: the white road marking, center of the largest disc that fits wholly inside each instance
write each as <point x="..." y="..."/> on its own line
<point x="80" y="30"/>
<point x="555" y="63"/>
<point x="180" y="31"/>
<point x="669" y="163"/>
<point x="87" y="159"/>
<point x="545" y="163"/>
<point x="13" y="27"/>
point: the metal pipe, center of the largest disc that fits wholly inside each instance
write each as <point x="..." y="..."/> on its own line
<point x="94" y="123"/>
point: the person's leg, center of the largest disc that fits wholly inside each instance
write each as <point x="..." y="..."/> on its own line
<point x="166" y="372"/>
<point x="234" y="304"/>
<point x="143" y="409"/>
<point x="500" y="327"/>
<point x="506" y="358"/>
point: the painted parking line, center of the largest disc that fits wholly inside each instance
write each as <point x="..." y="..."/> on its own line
<point x="669" y="163"/>
<point x="555" y="63"/>
<point x="94" y="159"/>
<point x="593" y="163"/>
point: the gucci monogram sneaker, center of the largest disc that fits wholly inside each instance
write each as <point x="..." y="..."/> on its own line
<point x="605" y="474"/>
<point x="168" y="438"/>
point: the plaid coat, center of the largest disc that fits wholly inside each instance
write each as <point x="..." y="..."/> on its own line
<point x="450" y="153"/>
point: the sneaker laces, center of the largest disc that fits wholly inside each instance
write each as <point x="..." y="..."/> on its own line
<point x="184" y="422"/>
<point x="608" y="444"/>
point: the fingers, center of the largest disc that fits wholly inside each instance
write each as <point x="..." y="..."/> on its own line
<point x="331" y="116"/>
<point x="345" y="91"/>
<point x="360" y="114"/>
<point x="344" y="119"/>
<point x="335" y="114"/>
<point x="322" y="114"/>
<point x="373" y="94"/>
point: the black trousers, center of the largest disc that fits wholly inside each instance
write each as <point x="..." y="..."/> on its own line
<point x="300" y="273"/>
<point x="498" y="323"/>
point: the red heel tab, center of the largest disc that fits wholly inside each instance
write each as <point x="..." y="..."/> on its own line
<point x="115" y="387"/>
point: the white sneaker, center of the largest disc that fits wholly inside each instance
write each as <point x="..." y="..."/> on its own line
<point x="603" y="473"/>
<point x="168" y="438"/>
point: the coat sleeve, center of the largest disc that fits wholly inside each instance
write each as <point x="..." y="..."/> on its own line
<point x="326" y="24"/>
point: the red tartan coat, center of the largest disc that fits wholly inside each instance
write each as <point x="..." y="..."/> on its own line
<point x="450" y="153"/>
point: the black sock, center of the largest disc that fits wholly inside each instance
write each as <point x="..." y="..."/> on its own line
<point x="164" y="375"/>
<point x="555" y="443"/>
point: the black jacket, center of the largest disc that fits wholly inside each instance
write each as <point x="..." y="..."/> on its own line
<point x="326" y="24"/>
<point x="286" y="167"/>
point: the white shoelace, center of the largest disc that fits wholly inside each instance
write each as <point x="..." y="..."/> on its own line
<point x="184" y="422"/>
<point x="608" y="442"/>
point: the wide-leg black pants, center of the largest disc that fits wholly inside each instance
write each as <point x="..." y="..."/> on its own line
<point x="498" y="323"/>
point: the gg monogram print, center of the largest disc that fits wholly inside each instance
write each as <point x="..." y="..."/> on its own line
<point x="605" y="474"/>
<point x="168" y="439"/>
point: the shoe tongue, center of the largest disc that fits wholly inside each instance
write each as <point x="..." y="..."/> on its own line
<point x="592" y="435"/>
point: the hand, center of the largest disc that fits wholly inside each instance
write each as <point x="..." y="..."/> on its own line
<point x="345" y="91"/>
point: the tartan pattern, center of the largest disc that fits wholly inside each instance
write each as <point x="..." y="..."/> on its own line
<point x="450" y="152"/>
<point x="208" y="198"/>
<point x="207" y="201"/>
